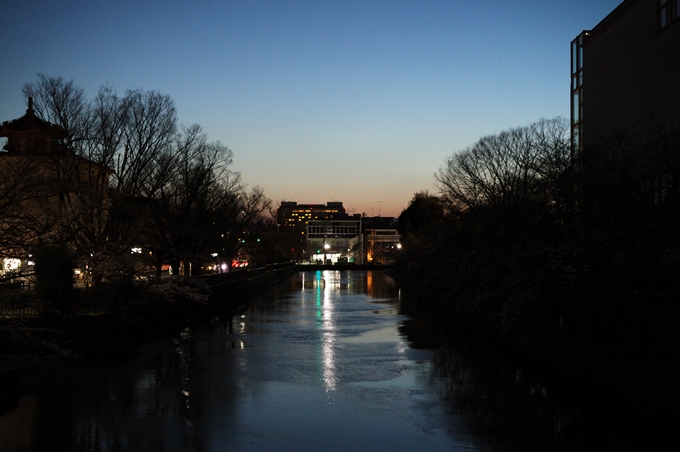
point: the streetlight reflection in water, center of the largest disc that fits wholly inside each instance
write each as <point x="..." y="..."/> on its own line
<point x="324" y="284"/>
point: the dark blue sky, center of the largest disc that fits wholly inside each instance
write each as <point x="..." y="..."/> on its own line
<point x="358" y="101"/>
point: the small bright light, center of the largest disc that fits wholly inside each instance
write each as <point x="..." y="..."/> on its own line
<point x="136" y="251"/>
<point x="326" y="246"/>
<point x="213" y="255"/>
<point x="398" y="246"/>
<point x="224" y="267"/>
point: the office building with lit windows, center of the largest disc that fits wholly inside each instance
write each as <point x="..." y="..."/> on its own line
<point x="294" y="216"/>
<point x="625" y="82"/>
<point x="292" y="219"/>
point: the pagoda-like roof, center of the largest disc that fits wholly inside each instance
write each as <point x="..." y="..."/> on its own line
<point x="31" y="122"/>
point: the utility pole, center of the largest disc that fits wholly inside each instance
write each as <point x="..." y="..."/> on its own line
<point x="361" y="244"/>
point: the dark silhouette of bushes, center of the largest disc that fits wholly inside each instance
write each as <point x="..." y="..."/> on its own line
<point x="563" y="255"/>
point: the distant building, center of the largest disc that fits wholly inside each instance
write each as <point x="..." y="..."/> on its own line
<point x="625" y="80"/>
<point x="326" y="233"/>
<point x="360" y="240"/>
<point x="329" y="241"/>
<point x="295" y="216"/>
<point x="292" y="219"/>
<point x="381" y="244"/>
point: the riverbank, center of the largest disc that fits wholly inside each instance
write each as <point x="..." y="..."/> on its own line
<point x="649" y="381"/>
<point x="92" y="334"/>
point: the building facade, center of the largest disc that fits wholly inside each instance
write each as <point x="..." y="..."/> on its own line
<point x="294" y="216"/>
<point x="330" y="241"/>
<point x="381" y="244"/>
<point x="625" y="76"/>
<point x="292" y="219"/>
<point x="325" y="233"/>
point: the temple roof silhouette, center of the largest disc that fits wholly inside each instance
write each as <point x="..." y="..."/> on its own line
<point x="30" y="121"/>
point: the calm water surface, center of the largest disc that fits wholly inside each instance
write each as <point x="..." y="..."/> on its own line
<point x="324" y="362"/>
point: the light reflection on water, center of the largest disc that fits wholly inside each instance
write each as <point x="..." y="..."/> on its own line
<point x="325" y="304"/>
<point x="325" y="363"/>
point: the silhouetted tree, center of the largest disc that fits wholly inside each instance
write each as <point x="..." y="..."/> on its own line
<point x="140" y="181"/>
<point x="190" y="207"/>
<point x="263" y="245"/>
<point x="22" y="191"/>
<point x="241" y="224"/>
<point x="494" y="250"/>
<point x="423" y="211"/>
<point x="514" y="171"/>
<point x="61" y="102"/>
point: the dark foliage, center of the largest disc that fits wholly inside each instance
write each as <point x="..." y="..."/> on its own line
<point x="54" y="277"/>
<point x="585" y="267"/>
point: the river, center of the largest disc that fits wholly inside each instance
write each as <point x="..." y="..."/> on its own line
<point x="325" y="361"/>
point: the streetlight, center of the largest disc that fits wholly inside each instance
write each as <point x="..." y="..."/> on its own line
<point x="326" y="247"/>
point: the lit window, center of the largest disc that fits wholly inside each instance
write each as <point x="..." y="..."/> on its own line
<point x="11" y="264"/>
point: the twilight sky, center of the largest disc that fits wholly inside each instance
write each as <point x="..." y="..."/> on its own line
<point x="353" y="101"/>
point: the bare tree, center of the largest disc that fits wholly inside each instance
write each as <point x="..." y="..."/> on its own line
<point x="135" y="137"/>
<point x="148" y="135"/>
<point x="116" y="151"/>
<point x="22" y="192"/>
<point x="128" y="177"/>
<point x="513" y="169"/>
<point x="197" y="190"/>
<point x="252" y="209"/>
<point x="61" y="102"/>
